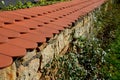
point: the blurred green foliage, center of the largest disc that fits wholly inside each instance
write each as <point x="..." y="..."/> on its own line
<point x="28" y="4"/>
<point x="109" y="21"/>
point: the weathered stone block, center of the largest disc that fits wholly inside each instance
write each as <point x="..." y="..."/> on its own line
<point x="47" y="54"/>
<point x="28" y="56"/>
<point x="29" y="72"/>
<point x="8" y="73"/>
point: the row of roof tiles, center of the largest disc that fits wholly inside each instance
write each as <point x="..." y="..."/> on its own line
<point x="24" y="28"/>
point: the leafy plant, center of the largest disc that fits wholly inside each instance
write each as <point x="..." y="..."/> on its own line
<point x="21" y="5"/>
<point x="67" y="67"/>
<point x="83" y="63"/>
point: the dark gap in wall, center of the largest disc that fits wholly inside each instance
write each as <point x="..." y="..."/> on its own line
<point x="29" y="50"/>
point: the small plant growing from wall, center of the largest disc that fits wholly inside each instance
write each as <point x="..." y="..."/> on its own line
<point x="83" y="61"/>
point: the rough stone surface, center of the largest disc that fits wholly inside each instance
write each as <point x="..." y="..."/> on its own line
<point x="22" y="73"/>
<point x="79" y="30"/>
<point x="28" y="56"/>
<point x="8" y="73"/>
<point x="61" y="43"/>
<point x="47" y="54"/>
<point x="33" y="68"/>
<point x="65" y="49"/>
<point x="29" y="72"/>
<point x="67" y="36"/>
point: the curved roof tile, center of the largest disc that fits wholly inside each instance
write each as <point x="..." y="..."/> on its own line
<point x="24" y="28"/>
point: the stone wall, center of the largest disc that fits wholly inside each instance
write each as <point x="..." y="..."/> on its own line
<point x="30" y="66"/>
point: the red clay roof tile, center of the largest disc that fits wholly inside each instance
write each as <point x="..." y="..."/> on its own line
<point x="5" y="61"/>
<point x="33" y="37"/>
<point x="24" y="28"/>
<point x="23" y="43"/>
<point x="12" y="17"/>
<point x="3" y="39"/>
<point x="52" y="26"/>
<point x="12" y="50"/>
<point x="9" y="33"/>
<point x="17" y="28"/>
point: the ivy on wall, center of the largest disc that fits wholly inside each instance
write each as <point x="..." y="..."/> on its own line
<point x="82" y="61"/>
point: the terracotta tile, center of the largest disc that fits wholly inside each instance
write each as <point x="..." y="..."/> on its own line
<point x="7" y="15"/>
<point x="46" y="9"/>
<point x="3" y="39"/>
<point x="12" y="50"/>
<point x="1" y="23"/>
<point x="49" y="30"/>
<point x="34" y="37"/>
<point x="42" y="19"/>
<point x="45" y="21"/>
<point x="55" y="14"/>
<point x="22" y="16"/>
<point x="58" y="23"/>
<point x="73" y="16"/>
<point x="27" y="44"/>
<point x="52" y="26"/>
<point x="26" y="13"/>
<point x="5" y="60"/>
<point x="58" y="15"/>
<point x="9" y="33"/>
<point x="30" y="24"/>
<point x="6" y="21"/>
<point x="17" y="27"/>
<point x="32" y="12"/>
<point x="66" y="22"/>
<point x="47" y="35"/>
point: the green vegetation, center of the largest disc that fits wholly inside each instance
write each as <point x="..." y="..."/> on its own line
<point x="92" y="59"/>
<point x="110" y="37"/>
<point x="20" y="5"/>
<point x="81" y="63"/>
